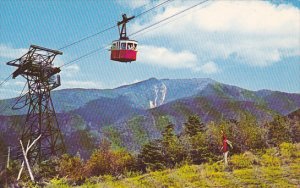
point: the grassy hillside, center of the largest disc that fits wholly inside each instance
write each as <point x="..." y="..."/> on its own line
<point x="275" y="167"/>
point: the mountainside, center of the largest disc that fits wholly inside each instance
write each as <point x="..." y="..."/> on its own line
<point x="294" y="115"/>
<point x="133" y="114"/>
<point x="153" y="93"/>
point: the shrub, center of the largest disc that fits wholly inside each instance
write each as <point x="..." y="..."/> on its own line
<point x="215" y="167"/>
<point x="109" y="162"/>
<point x="72" y="168"/>
<point x="58" y="183"/>
<point x="47" y="169"/>
<point x="245" y="160"/>
<point x="270" y="158"/>
<point x="278" y="131"/>
<point x="287" y="150"/>
<point x="297" y="148"/>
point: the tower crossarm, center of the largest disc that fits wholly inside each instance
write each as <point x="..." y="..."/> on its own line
<point x="38" y="61"/>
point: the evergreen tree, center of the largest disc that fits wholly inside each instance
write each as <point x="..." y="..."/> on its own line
<point x="200" y="152"/>
<point x="295" y="131"/>
<point x="278" y="131"/>
<point x="151" y="156"/>
<point x="193" y="126"/>
<point x="172" y="149"/>
<point x="194" y="140"/>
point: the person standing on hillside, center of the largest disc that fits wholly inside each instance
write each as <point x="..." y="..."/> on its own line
<point x="225" y="149"/>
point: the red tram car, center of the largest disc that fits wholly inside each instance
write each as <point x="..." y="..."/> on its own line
<point x="124" y="49"/>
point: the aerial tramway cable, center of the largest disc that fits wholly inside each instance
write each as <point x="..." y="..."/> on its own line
<point x="112" y="27"/>
<point x="93" y="35"/>
<point x="135" y="33"/>
<point x="83" y="39"/>
<point x="158" y="5"/>
<point x="5" y="80"/>
<point x="167" y="18"/>
<point x="20" y="96"/>
<point x="132" y="34"/>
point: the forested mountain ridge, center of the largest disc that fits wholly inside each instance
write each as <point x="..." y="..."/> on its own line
<point x="132" y="115"/>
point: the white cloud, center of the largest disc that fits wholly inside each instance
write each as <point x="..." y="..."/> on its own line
<point x="81" y="84"/>
<point x="208" y="68"/>
<point x="70" y="70"/>
<point x="164" y="57"/>
<point x="259" y="17"/>
<point x="257" y="33"/>
<point x="10" y="52"/>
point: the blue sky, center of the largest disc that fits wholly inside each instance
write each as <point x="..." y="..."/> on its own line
<point x="250" y="44"/>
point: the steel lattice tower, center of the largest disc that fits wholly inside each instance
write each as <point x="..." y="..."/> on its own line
<point x="37" y="67"/>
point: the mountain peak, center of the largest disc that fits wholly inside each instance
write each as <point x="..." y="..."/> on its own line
<point x="152" y="79"/>
<point x="154" y="92"/>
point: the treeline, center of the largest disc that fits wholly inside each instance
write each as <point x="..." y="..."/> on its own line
<point x="197" y="143"/>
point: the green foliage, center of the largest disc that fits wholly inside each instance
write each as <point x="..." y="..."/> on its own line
<point x="140" y="136"/>
<point x="245" y="177"/>
<point x="295" y="131"/>
<point x="3" y="149"/>
<point x="197" y="148"/>
<point x="245" y="160"/>
<point x="165" y="153"/>
<point x="270" y="158"/>
<point x="89" y="185"/>
<point x="58" y="183"/>
<point x="278" y="131"/>
<point x="114" y="136"/>
<point x="252" y="96"/>
<point x="151" y="156"/>
<point x="288" y="151"/>
<point x="213" y="136"/>
<point x="254" y="174"/>
<point x="16" y="123"/>
<point x="248" y="135"/>
<point x="218" y="87"/>
<point x="194" y="140"/>
<point x="48" y="168"/>
<point x="161" y="122"/>
<point x="244" y="134"/>
<point x="207" y="106"/>
<point x="71" y="167"/>
<point x="193" y="126"/>
<point x="9" y="175"/>
<point x="78" y="122"/>
<point x="297" y="152"/>
<point x="107" y="161"/>
<point x="182" y="109"/>
<point x="172" y="149"/>
<point x="196" y="144"/>
<point x="214" y="167"/>
<point x="86" y="140"/>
